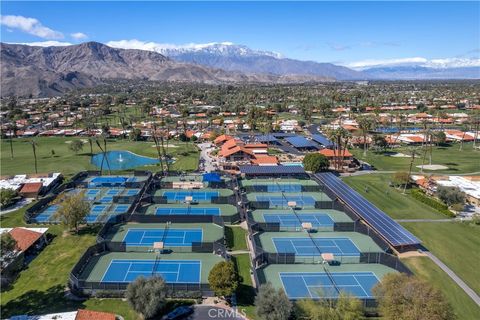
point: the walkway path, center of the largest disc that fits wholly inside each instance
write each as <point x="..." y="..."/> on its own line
<point x="472" y="294"/>
<point x="427" y="220"/>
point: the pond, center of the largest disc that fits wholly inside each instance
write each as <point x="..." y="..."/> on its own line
<point x="122" y="160"/>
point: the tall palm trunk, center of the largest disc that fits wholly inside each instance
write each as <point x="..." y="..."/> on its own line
<point x="409" y="171"/>
<point x="11" y="143"/>
<point x="91" y="146"/>
<point x="34" y="148"/>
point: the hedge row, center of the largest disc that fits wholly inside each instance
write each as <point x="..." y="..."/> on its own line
<point x="437" y="205"/>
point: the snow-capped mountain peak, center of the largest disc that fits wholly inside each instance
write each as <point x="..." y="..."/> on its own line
<point x="218" y="48"/>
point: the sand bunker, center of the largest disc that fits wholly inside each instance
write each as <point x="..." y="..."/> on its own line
<point x="165" y="145"/>
<point x="433" y="167"/>
<point x="399" y="155"/>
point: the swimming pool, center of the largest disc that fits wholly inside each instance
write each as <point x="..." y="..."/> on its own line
<point x="121" y="160"/>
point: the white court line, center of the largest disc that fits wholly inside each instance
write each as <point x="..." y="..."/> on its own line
<point x="355" y="278"/>
<point x="126" y="274"/>
<point x="106" y="270"/>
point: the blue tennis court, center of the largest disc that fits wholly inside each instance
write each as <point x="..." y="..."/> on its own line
<point x="313" y="285"/>
<point x="108" y="181"/>
<point x="284" y="188"/>
<point x="114" y="192"/>
<point x="318" y="220"/>
<point x="131" y="192"/>
<point x="172" y="271"/>
<point x="120" y="208"/>
<point x="311" y="246"/>
<point x="170" y="237"/>
<point x="196" y="196"/>
<point x="282" y="201"/>
<point x="106" y="199"/>
<point x="95" y="211"/>
<point x="46" y="214"/>
<point x="187" y="211"/>
<point x="91" y="194"/>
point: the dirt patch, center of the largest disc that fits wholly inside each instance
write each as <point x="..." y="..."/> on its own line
<point x="410" y="254"/>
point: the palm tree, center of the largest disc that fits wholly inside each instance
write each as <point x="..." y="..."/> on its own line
<point x="413" y="152"/>
<point x="464" y="130"/>
<point x="341" y="137"/>
<point x="34" y="149"/>
<point x="428" y="139"/>
<point x="12" y="133"/>
<point x="365" y="123"/>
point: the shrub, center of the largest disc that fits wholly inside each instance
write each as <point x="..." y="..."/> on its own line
<point x="437" y="205"/>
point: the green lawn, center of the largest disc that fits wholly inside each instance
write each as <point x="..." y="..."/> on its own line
<point x="389" y="199"/>
<point x="457" y="161"/>
<point x="456" y="244"/>
<point x="69" y="163"/>
<point x="464" y="307"/>
<point x="245" y="291"/>
<point x="40" y="288"/>
<point x="235" y="237"/>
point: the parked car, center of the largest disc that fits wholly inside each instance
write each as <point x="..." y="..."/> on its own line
<point x="180" y="313"/>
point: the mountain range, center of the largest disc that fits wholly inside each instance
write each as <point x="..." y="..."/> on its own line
<point x="47" y="71"/>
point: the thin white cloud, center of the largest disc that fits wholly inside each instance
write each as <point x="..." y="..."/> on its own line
<point x="159" y="47"/>
<point x="31" y="26"/>
<point x="384" y="62"/>
<point x="51" y="43"/>
<point x="78" y="35"/>
<point x="415" y="61"/>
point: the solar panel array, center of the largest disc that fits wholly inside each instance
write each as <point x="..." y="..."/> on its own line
<point x="322" y="140"/>
<point x="252" y="170"/>
<point x="390" y="230"/>
<point x="266" y="138"/>
<point x="300" y="142"/>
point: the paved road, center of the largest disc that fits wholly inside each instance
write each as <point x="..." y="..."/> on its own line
<point x="205" y="149"/>
<point x="472" y="294"/>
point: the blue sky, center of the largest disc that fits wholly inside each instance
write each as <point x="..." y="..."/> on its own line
<point x="341" y="32"/>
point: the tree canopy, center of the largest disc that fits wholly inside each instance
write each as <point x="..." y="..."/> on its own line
<point x="223" y="278"/>
<point x="451" y="195"/>
<point x="6" y="196"/>
<point x="76" y="146"/>
<point x="147" y="295"/>
<point x="272" y="304"/>
<point x="315" y="162"/>
<point x="72" y="209"/>
<point x="408" y="298"/>
<point x="7" y="243"/>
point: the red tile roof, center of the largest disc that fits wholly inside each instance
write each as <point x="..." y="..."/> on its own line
<point x="83" y="314"/>
<point x="222" y="138"/>
<point x="25" y="238"/>
<point x="265" y="160"/>
<point x="415" y="138"/>
<point x="31" y="187"/>
<point x="332" y="153"/>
